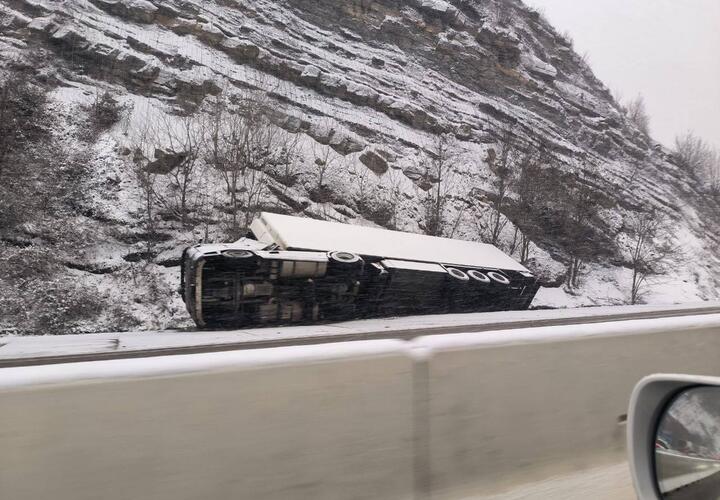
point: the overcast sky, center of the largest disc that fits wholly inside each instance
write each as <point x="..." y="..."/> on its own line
<point x="668" y="50"/>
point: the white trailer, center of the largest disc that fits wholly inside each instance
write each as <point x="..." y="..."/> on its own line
<point x="294" y="269"/>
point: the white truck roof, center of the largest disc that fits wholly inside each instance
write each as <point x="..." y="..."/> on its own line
<point x="299" y="233"/>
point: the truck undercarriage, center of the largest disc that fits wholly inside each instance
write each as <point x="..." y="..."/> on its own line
<point x="238" y="285"/>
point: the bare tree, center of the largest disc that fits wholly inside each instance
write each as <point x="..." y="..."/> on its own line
<point x="521" y="191"/>
<point x="362" y="182"/>
<point x="439" y="175"/>
<point x="103" y="113"/>
<point x="286" y="169"/>
<point x="714" y="175"/>
<point x="241" y="145"/>
<point x="178" y="149"/>
<point x="390" y="193"/>
<point x="636" y="112"/>
<point x="579" y="236"/>
<point x="503" y="164"/>
<point x="650" y="250"/>
<point x="696" y="156"/>
<point x="26" y="145"/>
<point x="326" y="162"/>
<point x="147" y="182"/>
<point x="504" y="13"/>
<point x="536" y="187"/>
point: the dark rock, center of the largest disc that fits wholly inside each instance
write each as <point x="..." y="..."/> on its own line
<point x="346" y="144"/>
<point x="139" y="256"/>
<point x="43" y="24"/>
<point x="240" y="49"/>
<point x="166" y="261"/>
<point x="504" y="43"/>
<point x="322" y="194"/>
<point x="464" y="132"/>
<point x="362" y="94"/>
<point x="310" y="75"/>
<point x="439" y="10"/>
<point x="411" y="114"/>
<point x="374" y="161"/>
<point x="551" y="275"/>
<point x="413" y="173"/>
<point x="333" y="85"/>
<point x="166" y="161"/>
<point x="140" y="11"/>
<point x="93" y="267"/>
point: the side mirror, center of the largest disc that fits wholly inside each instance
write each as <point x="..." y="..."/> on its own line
<point x="674" y="437"/>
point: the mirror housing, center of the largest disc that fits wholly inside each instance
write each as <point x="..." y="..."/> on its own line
<point x="648" y="403"/>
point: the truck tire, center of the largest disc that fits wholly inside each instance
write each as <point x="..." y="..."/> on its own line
<point x="238" y="254"/>
<point x="457" y="274"/>
<point x="478" y="276"/>
<point x="498" y="278"/>
<point x="344" y="257"/>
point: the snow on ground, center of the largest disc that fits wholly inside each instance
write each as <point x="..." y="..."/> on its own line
<point x="13" y="347"/>
<point x="603" y="285"/>
<point x="560" y="107"/>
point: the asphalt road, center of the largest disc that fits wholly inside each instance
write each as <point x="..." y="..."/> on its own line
<point x="612" y="482"/>
<point x="705" y="489"/>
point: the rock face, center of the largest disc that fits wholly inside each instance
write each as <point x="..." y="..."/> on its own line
<point x="377" y="81"/>
<point x="374" y="161"/>
<point x="166" y="161"/>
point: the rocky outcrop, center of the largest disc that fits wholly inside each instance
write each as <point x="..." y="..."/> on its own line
<point x="375" y="161"/>
<point x="374" y="82"/>
<point x="140" y="11"/>
<point x="166" y="161"/>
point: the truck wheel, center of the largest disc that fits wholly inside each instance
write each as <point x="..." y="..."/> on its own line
<point x="238" y="254"/>
<point x="478" y="276"/>
<point x="457" y="274"/>
<point x="499" y="278"/>
<point x="344" y="257"/>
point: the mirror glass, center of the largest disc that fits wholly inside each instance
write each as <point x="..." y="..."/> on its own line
<point x="687" y="446"/>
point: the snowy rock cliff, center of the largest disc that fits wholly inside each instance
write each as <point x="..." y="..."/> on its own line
<point x="361" y="90"/>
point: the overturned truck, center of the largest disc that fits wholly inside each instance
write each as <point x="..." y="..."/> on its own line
<point x="298" y="270"/>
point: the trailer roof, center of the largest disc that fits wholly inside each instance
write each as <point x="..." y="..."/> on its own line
<point x="299" y="233"/>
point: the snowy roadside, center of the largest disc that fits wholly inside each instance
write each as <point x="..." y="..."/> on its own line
<point x="26" y="347"/>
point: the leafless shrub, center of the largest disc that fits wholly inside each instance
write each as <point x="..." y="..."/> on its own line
<point x="503" y="164"/>
<point x="520" y="192"/>
<point x="34" y="300"/>
<point x="504" y="13"/>
<point x="698" y="157"/>
<point x="147" y="182"/>
<point x="242" y="146"/>
<point x="469" y="8"/>
<point x="40" y="179"/>
<point x="651" y="248"/>
<point x="363" y="186"/>
<point x="390" y="193"/>
<point x="170" y="151"/>
<point x="27" y="151"/>
<point x="534" y="189"/>
<point x="636" y="112"/>
<point x="326" y="162"/>
<point x="376" y="199"/>
<point x="104" y="112"/>
<point x="577" y="231"/>
<point x="438" y="181"/>
<point x="567" y="38"/>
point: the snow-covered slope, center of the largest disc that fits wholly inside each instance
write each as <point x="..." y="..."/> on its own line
<point x="370" y="83"/>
